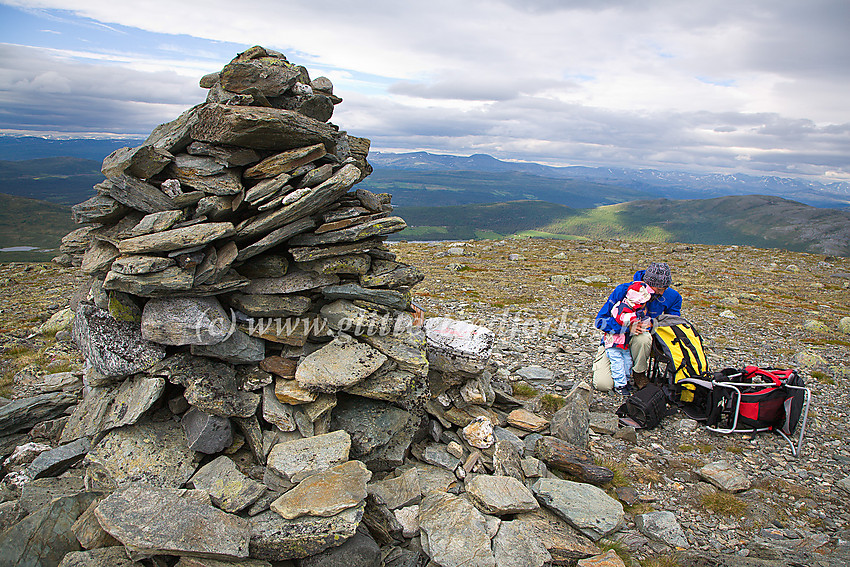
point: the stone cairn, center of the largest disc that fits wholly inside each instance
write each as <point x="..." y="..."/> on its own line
<point x="259" y="387"/>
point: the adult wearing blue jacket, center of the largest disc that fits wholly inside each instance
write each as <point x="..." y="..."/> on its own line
<point x="638" y="334"/>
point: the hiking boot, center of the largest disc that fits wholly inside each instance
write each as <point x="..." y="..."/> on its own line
<point x="623" y="390"/>
<point x="640" y="379"/>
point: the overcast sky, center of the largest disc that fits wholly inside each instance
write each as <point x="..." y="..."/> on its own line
<point x="754" y="86"/>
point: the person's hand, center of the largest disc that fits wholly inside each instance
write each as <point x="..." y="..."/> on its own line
<point x="636" y="328"/>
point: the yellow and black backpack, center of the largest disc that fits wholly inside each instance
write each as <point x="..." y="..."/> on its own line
<point x="677" y="353"/>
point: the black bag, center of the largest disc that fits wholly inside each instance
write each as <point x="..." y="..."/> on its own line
<point x="646" y="407"/>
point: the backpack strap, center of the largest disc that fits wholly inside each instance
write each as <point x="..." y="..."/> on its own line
<point x="752" y="371"/>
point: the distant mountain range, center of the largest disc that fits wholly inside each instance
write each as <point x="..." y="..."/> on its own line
<point x="647" y="182"/>
<point x="453" y="197"/>
<point x="754" y="220"/>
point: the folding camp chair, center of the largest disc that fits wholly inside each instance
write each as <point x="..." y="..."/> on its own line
<point x="751" y="400"/>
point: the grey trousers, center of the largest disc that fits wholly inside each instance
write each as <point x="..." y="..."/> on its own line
<point x="639" y="346"/>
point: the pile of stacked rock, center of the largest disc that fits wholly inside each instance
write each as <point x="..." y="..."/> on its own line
<point x="258" y="383"/>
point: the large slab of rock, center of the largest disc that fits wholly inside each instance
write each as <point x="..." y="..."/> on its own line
<point x="45" y="536"/>
<point x="457" y="346"/>
<point x="454" y="532"/>
<point x="326" y="493"/>
<point x="206" y="433"/>
<point x="407" y="348"/>
<point x="113" y="348"/>
<point x="174" y="136"/>
<point x="389" y="297"/>
<point x="177" y="238"/>
<point x="499" y="495"/>
<point x="114" y="556"/>
<point x="296" y="460"/>
<point x="238" y="348"/>
<point x="211" y="386"/>
<point x="662" y="526"/>
<point x="587" y="508"/>
<point x="135" y="265"/>
<point x="277" y="539"/>
<point x="155" y="453"/>
<point x="89" y="532"/>
<point x="185" y="321"/>
<point x="228" y="488"/>
<point x="22" y="414"/>
<point x="372" y="424"/>
<point x="270" y="305"/>
<point x="167" y="281"/>
<point x="725" y="476"/>
<point x="341" y="363"/>
<point x="359" y="551"/>
<point x="284" y="162"/>
<point x="111" y="406"/>
<point x="38" y="493"/>
<point x="564" y="543"/>
<point x="137" y="194"/>
<point x="259" y="128"/>
<point x="512" y="547"/>
<point x="396" y="492"/>
<point x="58" y="460"/>
<point x="160" y="521"/>
<point x="378" y="227"/>
<point x="275" y="237"/>
<point x="293" y="282"/>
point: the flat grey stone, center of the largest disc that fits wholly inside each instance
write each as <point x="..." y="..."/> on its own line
<point x="89" y="532"/>
<point x="56" y="461"/>
<point x="228" y="488"/>
<point x="136" y="194"/>
<point x="725" y="476"/>
<point x="255" y="305"/>
<point x="351" y="291"/>
<point x="389" y="386"/>
<point x="275" y="237"/>
<point x="154" y="222"/>
<point x="22" y="414"/>
<point x="45" y="536"/>
<point x="206" y="433"/>
<point x="113" y="405"/>
<point x="277" y="539"/>
<point x="185" y="321"/>
<point x="370" y="423"/>
<point x="100" y="557"/>
<point x="36" y="494"/>
<point x="457" y="346"/>
<point x="163" y="282"/>
<point x="284" y="162"/>
<point x="297" y="459"/>
<point x="512" y="547"/>
<point x="341" y="363"/>
<point x="536" y="374"/>
<point x="326" y="493"/>
<point x="437" y="455"/>
<point x="406" y="348"/>
<point x="161" y="521"/>
<point x="155" y="453"/>
<point x="98" y="209"/>
<point x="294" y="282"/>
<point x="350" y="264"/>
<point x="587" y="508"/>
<point x="211" y="386"/>
<point x="564" y="543"/>
<point x="359" y="551"/>
<point x="177" y="238"/>
<point x="142" y="161"/>
<point x="378" y="227"/>
<point x="454" y="532"/>
<point x="662" y="526"/>
<point x="604" y="423"/>
<point x="276" y="412"/>
<point x="396" y="492"/>
<point x="204" y="173"/>
<point x="499" y="495"/>
<point x="113" y="348"/>
<point x="238" y="348"/>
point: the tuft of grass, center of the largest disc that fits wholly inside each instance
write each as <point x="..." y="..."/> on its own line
<point x="523" y="390"/>
<point x="823" y="378"/>
<point x="644" y="474"/>
<point x="620" y="548"/>
<point x="552" y="402"/>
<point x="781" y="486"/>
<point x="620" y="478"/>
<point x="669" y="560"/>
<point x="735" y="449"/>
<point x="687" y="448"/>
<point x="705" y="448"/>
<point x="724" y="504"/>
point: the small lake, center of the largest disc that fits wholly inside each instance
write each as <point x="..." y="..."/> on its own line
<point x="19" y="249"/>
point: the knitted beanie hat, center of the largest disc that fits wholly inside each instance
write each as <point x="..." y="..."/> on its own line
<point x="658" y="275"/>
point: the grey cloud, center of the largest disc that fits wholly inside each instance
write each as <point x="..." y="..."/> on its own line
<point x="40" y="90"/>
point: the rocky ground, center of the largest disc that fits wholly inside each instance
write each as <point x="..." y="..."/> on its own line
<point x="752" y="306"/>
